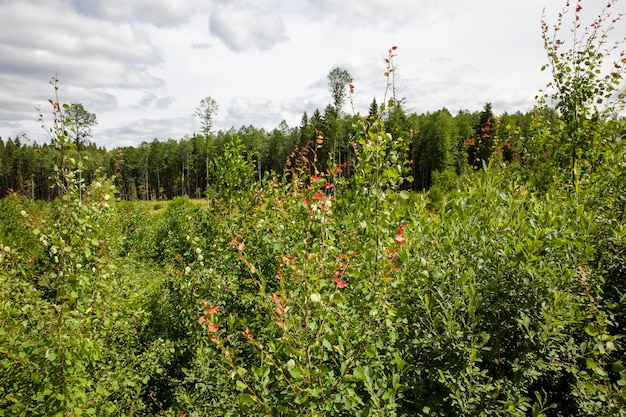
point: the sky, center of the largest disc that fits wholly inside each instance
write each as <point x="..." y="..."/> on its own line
<point x="143" y="66"/>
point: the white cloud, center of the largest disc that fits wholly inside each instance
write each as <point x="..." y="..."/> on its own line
<point x="243" y="27"/>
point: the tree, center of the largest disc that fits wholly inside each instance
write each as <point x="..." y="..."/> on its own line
<point x="338" y="80"/>
<point x="81" y="122"/>
<point x="481" y="148"/>
<point x="434" y="148"/>
<point x="206" y="111"/>
<point x="584" y="90"/>
<point x="373" y="110"/>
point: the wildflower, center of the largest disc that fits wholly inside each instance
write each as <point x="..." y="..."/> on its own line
<point x="213" y="328"/>
<point x="202" y="319"/>
<point x="393" y="48"/>
<point x="306" y="202"/>
<point x="351" y="88"/>
<point x="318" y="196"/>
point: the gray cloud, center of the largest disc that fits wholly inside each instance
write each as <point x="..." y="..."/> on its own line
<point x="42" y="39"/>
<point x="390" y="14"/>
<point x="257" y="111"/>
<point x="159" y="13"/>
<point x="200" y="45"/>
<point x="163" y="103"/>
<point x="150" y="99"/>
<point x="244" y="27"/>
<point x="143" y="130"/>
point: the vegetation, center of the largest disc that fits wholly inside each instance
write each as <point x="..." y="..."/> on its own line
<point x="313" y="279"/>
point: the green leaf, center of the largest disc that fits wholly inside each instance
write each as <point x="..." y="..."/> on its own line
<point x="370" y="351"/>
<point x="246" y="399"/>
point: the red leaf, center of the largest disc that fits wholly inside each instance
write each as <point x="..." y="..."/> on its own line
<point x="209" y="309"/>
<point x="340" y="283"/>
<point x="247" y="333"/>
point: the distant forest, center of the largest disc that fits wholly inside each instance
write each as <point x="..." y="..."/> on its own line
<point x="161" y="170"/>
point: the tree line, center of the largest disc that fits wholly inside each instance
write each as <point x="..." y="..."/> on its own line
<point x="161" y="170"/>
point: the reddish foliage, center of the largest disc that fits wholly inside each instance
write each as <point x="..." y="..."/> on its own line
<point x="209" y="309"/>
<point x="339" y="282"/>
<point x="247" y="333"/>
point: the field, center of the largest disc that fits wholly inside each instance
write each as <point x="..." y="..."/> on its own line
<point x="498" y="290"/>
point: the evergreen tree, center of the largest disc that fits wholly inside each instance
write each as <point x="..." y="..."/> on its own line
<point x="481" y="148"/>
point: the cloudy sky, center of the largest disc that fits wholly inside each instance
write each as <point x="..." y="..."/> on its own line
<point x="142" y="66"/>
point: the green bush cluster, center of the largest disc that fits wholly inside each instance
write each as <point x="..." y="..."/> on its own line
<point x="314" y="294"/>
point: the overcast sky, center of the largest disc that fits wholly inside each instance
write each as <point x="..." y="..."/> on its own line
<point x="142" y="66"/>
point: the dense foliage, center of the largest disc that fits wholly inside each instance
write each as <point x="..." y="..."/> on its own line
<point x="328" y="287"/>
